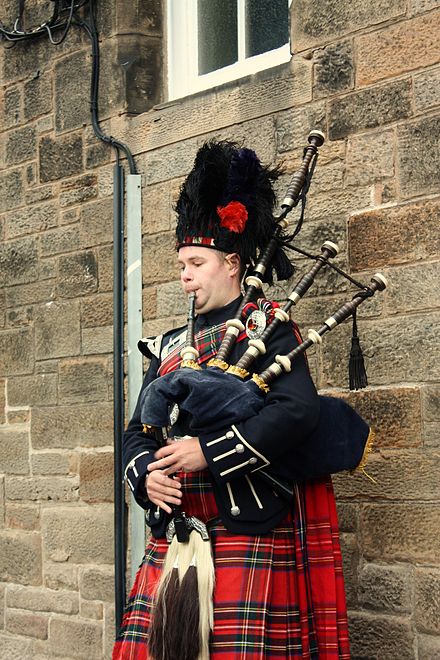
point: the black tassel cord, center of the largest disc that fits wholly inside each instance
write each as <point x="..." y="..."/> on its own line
<point x="356" y="366"/>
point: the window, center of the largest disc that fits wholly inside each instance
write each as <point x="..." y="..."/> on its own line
<point x="213" y="41"/>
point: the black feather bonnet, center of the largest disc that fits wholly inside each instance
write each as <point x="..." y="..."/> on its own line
<point x="227" y="203"/>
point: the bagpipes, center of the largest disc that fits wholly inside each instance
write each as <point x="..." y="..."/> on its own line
<point x="340" y="441"/>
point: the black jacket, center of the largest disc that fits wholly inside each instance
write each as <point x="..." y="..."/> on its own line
<point x="247" y="503"/>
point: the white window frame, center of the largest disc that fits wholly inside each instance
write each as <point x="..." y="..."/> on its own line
<point x="182" y="39"/>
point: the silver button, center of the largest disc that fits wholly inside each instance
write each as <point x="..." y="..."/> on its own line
<point x="229" y="435"/>
<point x="239" y="448"/>
<point x="235" y="511"/>
<point x="252" y="460"/>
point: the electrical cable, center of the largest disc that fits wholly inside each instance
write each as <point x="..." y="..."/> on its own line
<point x="55" y="22"/>
<point x="93" y="36"/>
<point x="66" y="29"/>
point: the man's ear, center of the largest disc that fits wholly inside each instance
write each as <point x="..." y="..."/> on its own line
<point x="233" y="261"/>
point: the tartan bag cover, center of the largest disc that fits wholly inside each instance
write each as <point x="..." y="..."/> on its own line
<point x="277" y="595"/>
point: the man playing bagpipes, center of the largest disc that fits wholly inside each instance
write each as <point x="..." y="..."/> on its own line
<point x="255" y="571"/>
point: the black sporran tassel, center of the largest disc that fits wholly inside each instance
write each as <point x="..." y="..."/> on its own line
<point x="186" y="638"/>
<point x="356" y="367"/>
<point x="160" y="642"/>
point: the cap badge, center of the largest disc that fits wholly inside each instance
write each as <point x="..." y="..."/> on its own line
<point x="256" y="324"/>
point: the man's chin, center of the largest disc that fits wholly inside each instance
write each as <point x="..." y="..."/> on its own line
<point x="202" y="307"/>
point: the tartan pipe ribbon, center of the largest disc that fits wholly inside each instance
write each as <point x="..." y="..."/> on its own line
<point x="206" y="341"/>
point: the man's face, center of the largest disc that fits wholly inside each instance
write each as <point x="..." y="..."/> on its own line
<point x="211" y="274"/>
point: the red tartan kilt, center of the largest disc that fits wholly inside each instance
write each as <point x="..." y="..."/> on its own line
<point x="278" y="595"/>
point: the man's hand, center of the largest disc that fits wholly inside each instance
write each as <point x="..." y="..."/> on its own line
<point x="162" y="489"/>
<point x="177" y="456"/>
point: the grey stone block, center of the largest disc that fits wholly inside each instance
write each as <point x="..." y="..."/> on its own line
<point x="14" y="451"/>
<point x="38" y="96"/>
<point x="62" y="239"/>
<point x="399" y="475"/>
<point x="293" y="126"/>
<point x="401" y="531"/>
<point x="21" y="145"/>
<point x="427" y="600"/>
<point x="72" y="85"/>
<point x="60" y="157"/>
<point x="159" y="264"/>
<point x="20" y="557"/>
<point x="97" y="584"/>
<point x="77" y="274"/>
<point x="370" y="158"/>
<point x="419" y="157"/>
<point x="40" y="489"/>
<point x="333" y="69"/>
<point x="368" y="108"/>
<point x="428" y="647"/>
<point x="94" y="469"/>
<point x="392" y="236"/>
<point x="31" y="219"/>
<point x="427" y="89"/>
<point x="319" y="22"/>
<point x="11" y="189"/>
<point x="42" y="600"/>
<point x="16" y="352"/>
<point x="37" y="389"/>
<point x="83" y="380"/>
<point x="57" y="330"/>
<point x="11" y="111"/>
<point x="72" y="426"/>
<point x="56" y="463"/>
<point x="386" y="587"/>
<point x="79" y="534"/>
<point x="350" y="564"/>
<point x="76" y="191"/>
<point x="378" y="637"/>
<point x="27" y="59"/>
<point x="96" y="223"/>
<point x="78" y="638"/>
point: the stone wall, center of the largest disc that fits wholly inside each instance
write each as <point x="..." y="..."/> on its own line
<point x="365" y="73"/>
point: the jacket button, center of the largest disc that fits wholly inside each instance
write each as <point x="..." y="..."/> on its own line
<point x="239" y="448"/>
<point x="235" y="511"/>
<point x="229" y="435"/>
<point x="252" y="460"/>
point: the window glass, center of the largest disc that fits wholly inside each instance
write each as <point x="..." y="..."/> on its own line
<point x="267" y="25"/>
<point x="217" y="34"/>
<point x="211" y="42"/>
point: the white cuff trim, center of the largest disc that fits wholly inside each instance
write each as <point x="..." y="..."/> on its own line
<point x="263" y="458"/>
<point x="132" y="465"/>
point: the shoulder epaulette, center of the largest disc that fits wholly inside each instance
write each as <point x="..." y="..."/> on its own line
<point x="153" y="346"/>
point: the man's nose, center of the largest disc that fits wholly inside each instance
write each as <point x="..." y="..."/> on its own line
<point x="186" y="274"/>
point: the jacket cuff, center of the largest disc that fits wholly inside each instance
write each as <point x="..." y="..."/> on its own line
<point x="135" y="474"/>
<point x="230" y="455"/>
